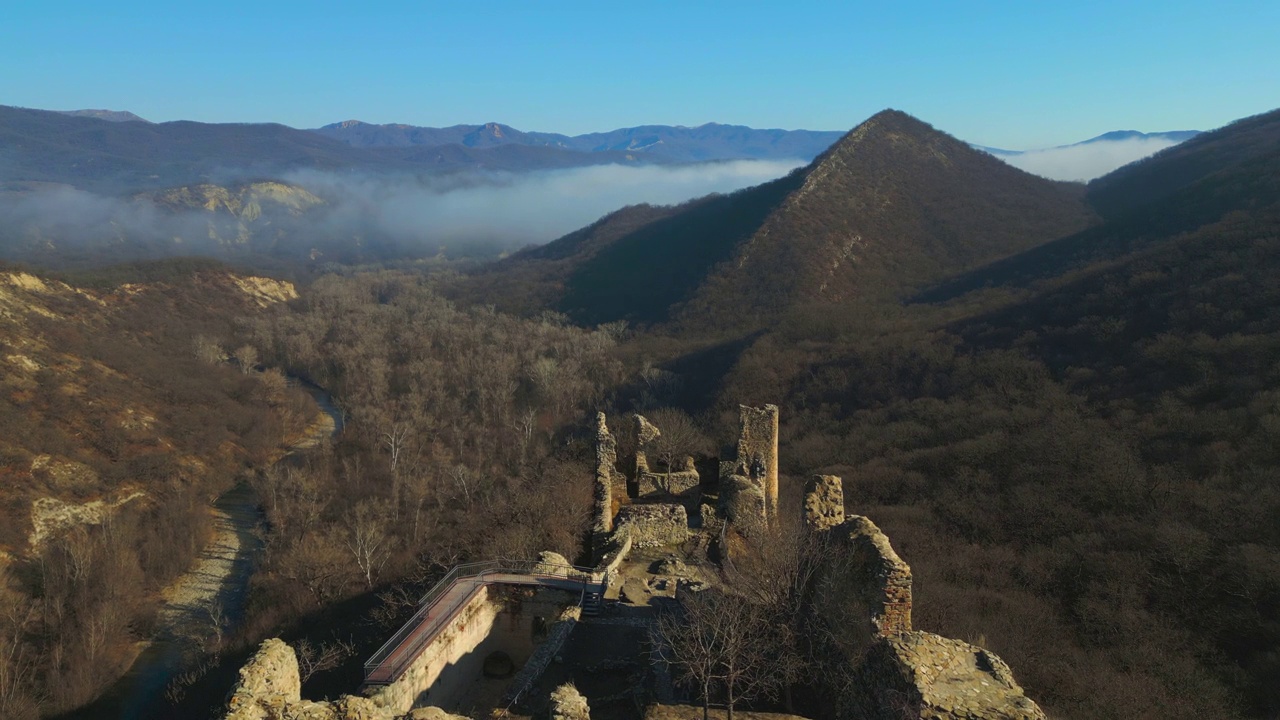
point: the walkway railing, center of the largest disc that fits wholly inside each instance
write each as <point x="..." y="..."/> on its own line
<point x="438" y="606"/>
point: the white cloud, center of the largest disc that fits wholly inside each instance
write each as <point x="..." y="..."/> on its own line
<point x="1086" y="161"/>
<point x="518" y="209"/>
<point x="481" y="210"/>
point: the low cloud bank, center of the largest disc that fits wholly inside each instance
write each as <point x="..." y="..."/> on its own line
<point x="364" y="217"/>
<point x="519" y="209"/>
<point x="1086" y="161"/>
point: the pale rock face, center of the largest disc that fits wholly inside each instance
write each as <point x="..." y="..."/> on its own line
<point x="823" y="502"/>
<point x="269" y="683"/>
<point x="646" y="432"/>
<point x="270" y="689"/>
<point x="569" y="704"/>
<point x="51" y="516"/>
<point x="953" y="679"/>
<point x="552" y="563"/>
<point x="266" y="291"/>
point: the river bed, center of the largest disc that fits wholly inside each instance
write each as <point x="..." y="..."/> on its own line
<point x="212" y="595"/>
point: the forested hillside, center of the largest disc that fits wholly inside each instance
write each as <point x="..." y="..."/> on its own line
<point x="1078" y="464"/>
<point x="892" y="206"/>
<point x="124" y="410"/>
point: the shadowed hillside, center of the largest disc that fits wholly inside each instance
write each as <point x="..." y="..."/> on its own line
<point x="893" y="205"/>
<point x="1203" y="181"/>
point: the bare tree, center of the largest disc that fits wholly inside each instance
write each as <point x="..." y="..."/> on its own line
<point x="325" y="656"/>
<point x="679" y="438"/>
<point x="395" y="438"/>
<point x="247" y="358"/>
<point x="722" y="640"/>
<point x="367" y="538"/>
<point x="207" y="349"/>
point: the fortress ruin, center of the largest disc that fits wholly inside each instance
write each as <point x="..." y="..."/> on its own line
<point x="595" y="647"/>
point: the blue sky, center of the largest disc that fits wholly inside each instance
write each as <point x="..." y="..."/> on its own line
<point x="1015" y="74"/>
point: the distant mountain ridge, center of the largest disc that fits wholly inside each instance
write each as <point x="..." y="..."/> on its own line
<point x="108" y="115"/>
<point x="88" y="152"/>
<point x="1175" y="136"/>
<point x="712" y="141"/>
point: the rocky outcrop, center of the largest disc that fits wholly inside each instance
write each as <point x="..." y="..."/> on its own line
<point x="823" y="502"/>
<point x="933" y="677"/>
<point x="269" y="683"/>
<point x="553" y="563"/>
<point x="270" y="689"/>
<point x="569" y="704"/>
<point x="51" y="516"/>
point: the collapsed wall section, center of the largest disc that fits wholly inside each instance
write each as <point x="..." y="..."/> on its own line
<point x="883" y="580"/>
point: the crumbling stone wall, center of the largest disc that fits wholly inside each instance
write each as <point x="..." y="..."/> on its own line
<point x="742" y="501"/>
<point x="268" y="683"/>
<point x="569" y="704"/>
<point x="823" y="502"/>
<point x="884" y="580"/>
<point x="758" y="451"/>
<point x="269" y="688"/>
<point x="654" y="525"/>
<point x="680" y="481"/>
<point x="546" y="652"/>
<point x="645" y="433"/>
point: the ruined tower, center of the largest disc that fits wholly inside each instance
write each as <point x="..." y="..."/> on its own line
<point x="758" y="452"/>
<point x="606" y="462"/>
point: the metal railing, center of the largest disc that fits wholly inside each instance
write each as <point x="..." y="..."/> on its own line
<point x="409" y="641"/>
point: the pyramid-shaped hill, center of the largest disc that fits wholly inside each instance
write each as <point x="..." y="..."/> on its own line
<point x="893" y="205"/>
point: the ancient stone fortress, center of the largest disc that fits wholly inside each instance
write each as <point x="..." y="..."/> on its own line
<point x="577" y="638"/>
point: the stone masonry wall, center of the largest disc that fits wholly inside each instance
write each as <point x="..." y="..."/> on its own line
<point x="758" y="451"/>
<point x="470" y="626"/>
<point x="606" y="464"/>
<point x="654" y="525"/>
<point x="885" y="580"/>
<point x="922" y="675"/>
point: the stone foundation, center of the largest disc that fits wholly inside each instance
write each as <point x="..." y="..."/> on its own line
<point x="654" y="525"/>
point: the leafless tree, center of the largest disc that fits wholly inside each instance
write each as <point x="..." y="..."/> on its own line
<point x="367" y="538"/>
<point x="325" y="656"/>
<point x="679" y="438"/>
<point x="722" y="640"/>
<point x="207" y="349"/>
<point x="247" y="358"/>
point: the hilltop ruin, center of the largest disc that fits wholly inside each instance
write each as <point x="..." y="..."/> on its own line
<point x="651" y="530"/>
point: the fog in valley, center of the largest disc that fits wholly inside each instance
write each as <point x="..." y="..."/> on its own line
<point x="388" y="216"/>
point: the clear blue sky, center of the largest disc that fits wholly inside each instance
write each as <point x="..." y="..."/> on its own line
<point x="1016" y="74"/>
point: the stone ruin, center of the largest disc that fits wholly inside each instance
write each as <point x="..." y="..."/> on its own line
<point x="902" y="673"/>
<point x="270" y="688"/>
<point x="906" y="672"/>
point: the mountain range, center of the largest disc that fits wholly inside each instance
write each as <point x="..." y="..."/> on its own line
<point x="712" y="141"/>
